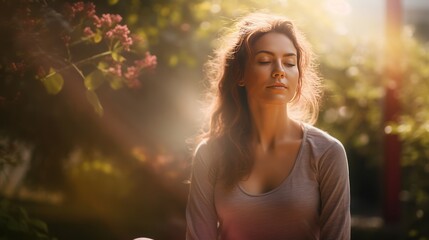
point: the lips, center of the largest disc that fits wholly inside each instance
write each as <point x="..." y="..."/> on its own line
<point x="277" y="85"/>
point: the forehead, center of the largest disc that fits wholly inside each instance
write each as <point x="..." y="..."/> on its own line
<point x="277" y="43"/>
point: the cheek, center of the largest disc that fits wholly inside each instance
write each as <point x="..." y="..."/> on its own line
<point x="256" y="75"/>
<point x="293" y="75"/>
<point x="256" y="70"/>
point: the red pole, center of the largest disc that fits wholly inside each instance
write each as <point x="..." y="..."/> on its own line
<point x="392" y="145"/>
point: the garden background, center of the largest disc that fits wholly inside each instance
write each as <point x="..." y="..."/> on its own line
<point x="98" y="112"/>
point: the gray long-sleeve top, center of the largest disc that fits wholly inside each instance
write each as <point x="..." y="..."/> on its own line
<point x="313" y="202"/>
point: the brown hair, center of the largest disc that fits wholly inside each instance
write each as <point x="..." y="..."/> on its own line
<point x="229" y="128"/>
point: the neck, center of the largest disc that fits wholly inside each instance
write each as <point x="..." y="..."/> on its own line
<point x="270" y="125"/>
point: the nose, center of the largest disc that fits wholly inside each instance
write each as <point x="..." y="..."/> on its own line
<point x="278" y="71"/>
<point x="278" y="74"/>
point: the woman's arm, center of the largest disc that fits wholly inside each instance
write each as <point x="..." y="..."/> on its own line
<point x="201" y="214"/>
<point x="334" y="194"/>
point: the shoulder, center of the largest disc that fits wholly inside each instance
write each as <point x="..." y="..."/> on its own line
<point x="205" y="157"/>
<point x="205" y="150"/>
<point x="321" y="142"/>
<point x="327" y="154"/>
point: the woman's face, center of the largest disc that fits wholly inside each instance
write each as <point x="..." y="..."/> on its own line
<point x="271" y="74"/>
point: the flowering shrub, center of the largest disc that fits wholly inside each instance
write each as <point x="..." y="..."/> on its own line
<point x="72" y="42"/>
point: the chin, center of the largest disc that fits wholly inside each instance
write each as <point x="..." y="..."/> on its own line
<point x="277" y="100"/>
<point x="280" y="102"/>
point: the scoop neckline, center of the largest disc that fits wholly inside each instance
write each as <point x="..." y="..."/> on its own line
<point x="284" y="181"/>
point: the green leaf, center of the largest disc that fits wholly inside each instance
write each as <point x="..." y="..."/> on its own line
<point x="115" y="82"/>
<point x="117" y="57"/>
<point x="94" y="80"/>
<point x="103" y="66"/>
<point x="98" y="36"/>
<point x="53" y="82"/>
<point x="95" y="102"/>
<point x="113" y="2"/>
<point x="39" y="225"/>
<point x="23" y="214"/>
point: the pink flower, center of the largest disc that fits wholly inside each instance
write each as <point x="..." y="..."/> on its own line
<point x="132" y="73"/>
<point x="90" y="10"/>
<point x="121" y="32"/>
<point x="107" y="20"/>
<point x="17" y="66"/>
<point x="72" y="10"/>
<point x="115" y="70"/>
<point x="78" y="7"/>
<point x="148" y="62"/>
<point x="131" y="77"/>
<point x="88" y="32"/>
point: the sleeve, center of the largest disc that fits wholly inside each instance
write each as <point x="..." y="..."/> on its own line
<point x="201" y="216"/>
<point x="334" y="194"/>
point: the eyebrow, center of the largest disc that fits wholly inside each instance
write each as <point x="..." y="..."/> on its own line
<point x="271" y="53"/>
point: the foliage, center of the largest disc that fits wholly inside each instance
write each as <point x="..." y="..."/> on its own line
<point x="413" y="129"/>
<point x="15" y="223"/>
<point x="353" y="108"/>
<point x="7" y="155"/>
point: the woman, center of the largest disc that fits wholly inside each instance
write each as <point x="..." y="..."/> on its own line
<point x="263" y="171"/>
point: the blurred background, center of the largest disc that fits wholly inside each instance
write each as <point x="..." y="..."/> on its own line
<point x="87" y="152"/>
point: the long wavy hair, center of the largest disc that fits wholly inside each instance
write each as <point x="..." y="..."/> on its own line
<point x="230" y="121"/>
